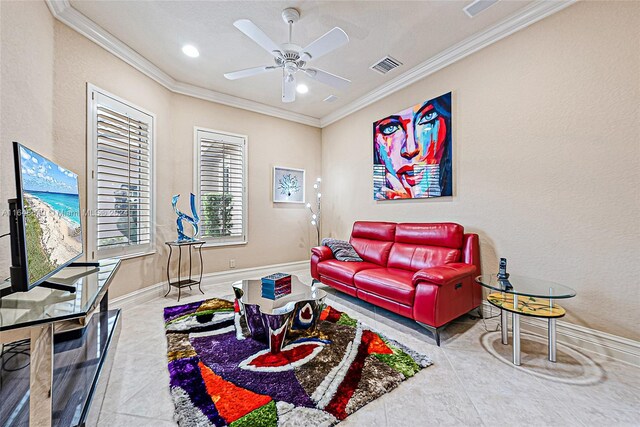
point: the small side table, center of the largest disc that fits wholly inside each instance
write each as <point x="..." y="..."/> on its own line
<point x="525" y="296"/>
<point x="188" y="282"/>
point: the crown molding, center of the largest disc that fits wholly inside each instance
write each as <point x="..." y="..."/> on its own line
<point x="534" y="13"/>
<point x="65" y="13"/>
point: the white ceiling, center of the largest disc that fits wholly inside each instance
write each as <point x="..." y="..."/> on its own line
<point x="410" y="31"/>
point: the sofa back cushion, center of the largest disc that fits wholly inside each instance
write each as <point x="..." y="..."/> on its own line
<point x="373" y="240"/>
<point x="423" y="245"/>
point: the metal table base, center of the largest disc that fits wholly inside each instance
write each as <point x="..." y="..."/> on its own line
<point x="515" y="331"/>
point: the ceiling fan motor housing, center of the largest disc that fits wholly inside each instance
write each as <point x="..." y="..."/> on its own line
<point x="290" y="15"/>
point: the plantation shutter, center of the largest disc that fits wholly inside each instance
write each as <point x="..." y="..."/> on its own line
<point x="221" y="183"/>
<point x="123" y="184"/>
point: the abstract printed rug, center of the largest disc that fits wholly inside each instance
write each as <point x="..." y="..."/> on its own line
<point x="221" y="377"/>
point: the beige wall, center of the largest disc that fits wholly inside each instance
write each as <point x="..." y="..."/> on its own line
<point x="26" y="93"/>
<point x="546" y="158"/>
<point x="546" y="151"/>
<point x="276" y="234"/>
<point x="50" y="86"/>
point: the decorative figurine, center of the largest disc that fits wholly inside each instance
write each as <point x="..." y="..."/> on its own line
<point x="182" y="216"/>
<point x="503" y="276"/>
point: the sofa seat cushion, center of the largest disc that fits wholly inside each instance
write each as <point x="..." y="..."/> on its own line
<point x="392" y="283"/>
<point x="343" y="271"/>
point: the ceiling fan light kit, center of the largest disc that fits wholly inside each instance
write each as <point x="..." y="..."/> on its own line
<point x="292" y="58"/>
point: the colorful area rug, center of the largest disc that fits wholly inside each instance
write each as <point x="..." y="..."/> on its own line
<point x="219" y="377"/>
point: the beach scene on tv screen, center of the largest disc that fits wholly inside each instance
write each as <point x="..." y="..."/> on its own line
<point x="52" y="214"/>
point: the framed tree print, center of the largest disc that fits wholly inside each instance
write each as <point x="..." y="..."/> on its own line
<point x="288" y="185"/>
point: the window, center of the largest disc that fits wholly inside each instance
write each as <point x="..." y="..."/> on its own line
<point x="120" y="179"/>
<point x="221" y="185"/>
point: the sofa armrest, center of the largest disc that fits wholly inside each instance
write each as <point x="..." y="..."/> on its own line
<point x="319" y="254"/>
<point x="322" y="252"/>
<point x="444" y="274"/>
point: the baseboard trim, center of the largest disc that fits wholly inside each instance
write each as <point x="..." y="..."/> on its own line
<point x="584" y="338"/>
<point x="159" y="289"/>
<point x="575" y="336"/>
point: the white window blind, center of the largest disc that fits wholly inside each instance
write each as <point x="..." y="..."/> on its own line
<point x="221" y="186"/>
<point x="121" y="190"/>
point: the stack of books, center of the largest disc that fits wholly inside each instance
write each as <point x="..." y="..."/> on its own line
<point x="276" y="286"/>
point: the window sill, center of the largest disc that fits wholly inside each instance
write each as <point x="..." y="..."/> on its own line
<point x="130" y="256"/>
<point x="219" y="244"/>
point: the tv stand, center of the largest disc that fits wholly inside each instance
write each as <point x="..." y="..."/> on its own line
<point x="65" y="381"/>
<point x="58" y="287"/>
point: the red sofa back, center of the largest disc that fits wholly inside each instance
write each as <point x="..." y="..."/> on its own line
<point x="410" y="246"/>
<point x="373" y="240"/>
<point x="419" y="246"/>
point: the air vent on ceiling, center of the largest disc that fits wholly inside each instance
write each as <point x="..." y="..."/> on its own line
<point x="385" y="65"/>
<point x="478" y="6"/>
<point x="331" y="98"/>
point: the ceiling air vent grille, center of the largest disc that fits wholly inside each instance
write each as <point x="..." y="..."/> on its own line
<point x="478" y="6"/>
<point x="385" y="65"/>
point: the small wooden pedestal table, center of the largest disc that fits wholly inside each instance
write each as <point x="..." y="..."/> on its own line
<point x="525" y="296"/>
<point x="188" y="282"/>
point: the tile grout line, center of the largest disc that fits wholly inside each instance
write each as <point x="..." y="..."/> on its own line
<point x="460" y="383"/>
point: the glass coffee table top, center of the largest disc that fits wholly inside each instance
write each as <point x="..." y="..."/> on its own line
<point x="527" y="286"/>
<point x="252" y="294"/>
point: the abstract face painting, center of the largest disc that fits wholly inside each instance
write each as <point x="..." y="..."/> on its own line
<point x="412" y="152"/>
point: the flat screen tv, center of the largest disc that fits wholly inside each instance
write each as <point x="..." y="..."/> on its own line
<point x="46" y="225"/>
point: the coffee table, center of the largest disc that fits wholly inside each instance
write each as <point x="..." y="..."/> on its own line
<point x="272" y="320"/>
<point x="526" y="296"/>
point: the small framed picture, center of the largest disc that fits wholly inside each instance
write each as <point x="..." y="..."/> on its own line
<point x="288" y="185"/>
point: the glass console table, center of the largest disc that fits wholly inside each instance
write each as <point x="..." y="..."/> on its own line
<point x="526" y="296"/>
<point x="68" y="336"/>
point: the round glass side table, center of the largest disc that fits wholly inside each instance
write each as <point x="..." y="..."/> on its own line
<point x="525" y="296"/>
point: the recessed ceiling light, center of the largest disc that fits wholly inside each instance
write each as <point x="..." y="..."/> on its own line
<point x="190" y="51"/>
<point x="302" y="88"/>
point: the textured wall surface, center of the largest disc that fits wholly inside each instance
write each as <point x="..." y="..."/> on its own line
<point x="546" y="151"/>
<point x="47" y="84"/>
<point x="276" y="234"/>
<point x="546" y="158"/>
<point x="26" y="93"/>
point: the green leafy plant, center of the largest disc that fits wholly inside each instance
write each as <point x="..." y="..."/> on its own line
<point x="217" y="214"/>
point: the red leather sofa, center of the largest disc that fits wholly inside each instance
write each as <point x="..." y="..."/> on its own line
<point x="423" y="271"/>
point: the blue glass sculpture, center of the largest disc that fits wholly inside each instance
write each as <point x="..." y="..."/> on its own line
<point x="182" y="217"/>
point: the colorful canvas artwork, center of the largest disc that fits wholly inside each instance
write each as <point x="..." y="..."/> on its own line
<point x="412" y="152"/>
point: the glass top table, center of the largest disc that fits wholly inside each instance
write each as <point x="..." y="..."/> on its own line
<point x="274" y="321"/>
<point x="252" y="294"/>
<point x="42" y="305"/>
<point x="526" y="286"/>
<point x="520" y="295"/>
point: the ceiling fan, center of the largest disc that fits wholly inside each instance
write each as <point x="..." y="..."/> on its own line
<point x="292" y="58"/>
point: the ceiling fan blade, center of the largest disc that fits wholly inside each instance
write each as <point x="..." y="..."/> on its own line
<point x="252" y="31"/>
<point x="240" y="74"/>
<point x="332" y="40"/>
<point x="327" y="78"/>
<point x="288" y="88"/>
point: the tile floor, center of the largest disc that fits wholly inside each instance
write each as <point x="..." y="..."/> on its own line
<point x="472" y="381"/>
